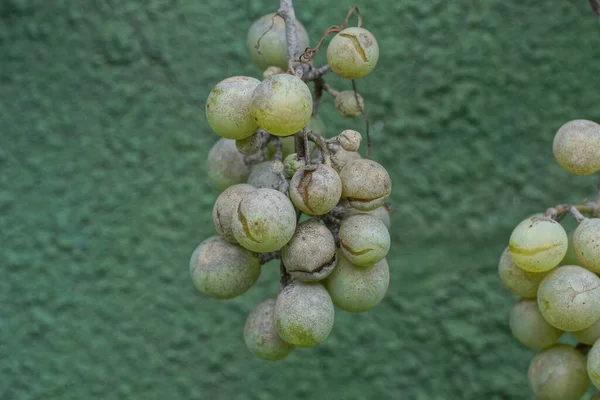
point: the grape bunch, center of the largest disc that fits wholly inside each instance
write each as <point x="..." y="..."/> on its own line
<point x="287" y="192"/>
<point x="556" y="275"/>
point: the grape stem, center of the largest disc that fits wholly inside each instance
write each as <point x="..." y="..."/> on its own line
<point x="559" y="211"/>
<point x="596" y="7"/>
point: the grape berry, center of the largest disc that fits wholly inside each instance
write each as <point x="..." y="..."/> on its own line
<point x="555" y="274"/>
<point x="273" y="164"/>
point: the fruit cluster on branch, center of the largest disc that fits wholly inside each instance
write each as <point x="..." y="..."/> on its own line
<point x="556" y="275"/>
<point x="291" y="193"/>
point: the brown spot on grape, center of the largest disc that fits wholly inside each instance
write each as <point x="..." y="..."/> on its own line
<point x="357" y="45"/>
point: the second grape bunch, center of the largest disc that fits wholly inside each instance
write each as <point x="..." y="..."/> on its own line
<point x="290" y="193"/>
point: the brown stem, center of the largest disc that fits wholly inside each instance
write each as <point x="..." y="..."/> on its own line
<point x="311" y="73"/>
<point x="596" y="7"/>
<point x="559" y="211"/>
<point x="286" y="11"/>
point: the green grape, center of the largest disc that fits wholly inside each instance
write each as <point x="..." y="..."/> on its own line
<point x="316" y="190"/>
<point x="357" y="289"/>
<point x="366" y="184"/>
<point x="282" y="104"/>
<point x="346" y="105"/>
<point x="538" y="244"/>
<point x="272" y="49"/>
<point x="350" y="140"/>
<point x="265" y="220"/>
<point x="260" y="335"/>
<point x="291" y="164"/>
<point x="310" y="254"/>
<point x="586" y="243"/>
<point x="588" y="335"/>
<point x="530" y="328"/>
<point x="353" y="53"/>
<point x="558" y="373"/>
<point x="225" y="165"/>
<point x="340" y="157"/>
<point x="520" y="282"/>
<point x="267" y="174"/>
<point x="304" y="314"/>
<point x="226" y="206"/>
<point x="223" y="270"/>
<point x="570" y="257"/>
<point x="576" y="147"/>
<point x="364" y="239"/>
<point x="593" y="364"/>
<point x="228" y="107"/>
<point x="569" y="298"/>
<point x="381" y="213"/>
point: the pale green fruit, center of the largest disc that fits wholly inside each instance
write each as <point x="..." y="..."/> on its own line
<point x="282" y="104"/>
<point x="586" y="243"/>
<point x="272" y="49"/>
<point x="291" y="164"/>
<point x="366" y="184"/>
<point x="315" y="190"/>
<point x="225" y="165"/>
<point x="346" y="105"/>
<point x="353" y="53"/>
<point x="228" y="107"/>
<point x="267" y="174"/>
<point x="304" y="314"/>
<point x="569" y="298"/>
<point x="381" y="213"/>
<point x="364" y="239"/>
<point x="593" y="364"/>
<point x="530" y="328"/>
<point x="226" y="206"/>
<point x="310" y="254"/>
<point x="223" y="270"/>
<point x="350" y="140"/>
<point x="260" y="335"/>
<point x="588" y="335"/>
<point x="357" y="289"/>
<point x="570" y="257"/>
<point x="265" y="220"/>
<point x="576" y="147"/>
<point x="520" y="282"/>
<point x="558" y="373"/>
<point x="538" y="244"/>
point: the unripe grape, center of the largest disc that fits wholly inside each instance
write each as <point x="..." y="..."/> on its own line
<point x="520" y="282"/>
<point x="538" y="244"/>
<point x="291" y="164"/>
<point x="530" y="328"/>
<point x="265" y="220"/>
<point x="381" y="213"/>
<point x="350" y="140"/>
<point x="346" y="105"/>
<point x="272" y="50"/>
<point x="282" y="104"/>
<point x="260" y="335"/>
<point x="228" y="107"/>
<point x="570" y="257"/>
<point x="364" y="239"/>
<point x="569" y="298"/>
<point x="223" y="270"/>
<point x="357" y="289"/>
<point x="576" y="147"/>
<point x="558" y="373"/>
<point x="340" y="158"/>
<point x="315" y="190"/>
<point x="310" y="254"/>
<point x="353" y="53"/>
<point x="593" y="364"/>
<point x="225" y="208"/>
<point x="267" y="174"/>
<point x="586" y="243"/>
<point x="250" y="145"/>
<point x="304" y="314"/>
<point x="588" y="335"/>
<point x="225" y="165"/>
<point x="366" y="184"/>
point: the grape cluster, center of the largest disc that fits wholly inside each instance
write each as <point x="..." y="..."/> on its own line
<point x="289" y="193"/>
<point x="556" y="275"/>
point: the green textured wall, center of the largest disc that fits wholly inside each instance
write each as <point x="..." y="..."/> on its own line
<point x="103" y="195"/>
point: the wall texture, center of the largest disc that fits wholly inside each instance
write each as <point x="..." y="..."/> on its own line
<point x="103" y="195"/>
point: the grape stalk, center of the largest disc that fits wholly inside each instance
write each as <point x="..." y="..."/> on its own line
<point x="290" y="193"/>
<point x="555" y="274"/>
